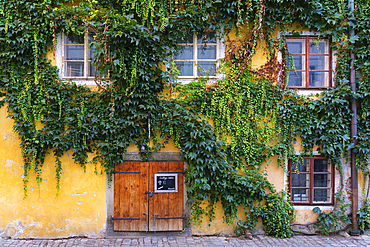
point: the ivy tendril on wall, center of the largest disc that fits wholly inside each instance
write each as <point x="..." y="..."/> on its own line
<point x="255" y="117"/>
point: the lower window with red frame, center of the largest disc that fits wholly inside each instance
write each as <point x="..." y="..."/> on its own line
<point x="311" y="181"/>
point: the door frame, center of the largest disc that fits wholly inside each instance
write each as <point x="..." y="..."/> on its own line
<point x="135" y="156"/>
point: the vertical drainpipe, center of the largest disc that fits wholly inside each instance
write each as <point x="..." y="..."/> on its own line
<point x="354" y="171"/>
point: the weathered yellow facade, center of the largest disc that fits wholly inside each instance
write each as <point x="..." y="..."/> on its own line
<point x="80" y="209"/>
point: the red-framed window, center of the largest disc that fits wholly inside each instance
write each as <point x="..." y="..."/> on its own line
<point x="311" y="181"/>
<point x="309" y="62"/>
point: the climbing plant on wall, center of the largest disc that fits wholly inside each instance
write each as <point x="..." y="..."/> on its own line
<point x="255" y="117"/>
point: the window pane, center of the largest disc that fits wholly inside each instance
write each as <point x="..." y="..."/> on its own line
<point x="210" y="37"/>
<point x="206" y="68"/>
<point x="74" y="52"/>
<point x="74" y="69"/>
<point x="303" y="166"/>
<point x="321" y="165"/>
<point x="185" y="52"/>
<point x="74" y="39"/>
<point x="300" y="180"/>
<point x="321" y="180"/>
<point x="300" y="195"/>
<point x="319" y="63"/>
<point x="187" y="40"/>
<point x="321" y="47"/>
<point x="208" y="52"/>
<point x="322" y="195"/>
<point x="91" y="47"/>
<point x="185" y="68"/>
<point x="91" y="69"/>
<point x="296" y="79"/>
<point x="296" y="62"/>
<point x="319" y="79"/>
<point x="296" y="46"/>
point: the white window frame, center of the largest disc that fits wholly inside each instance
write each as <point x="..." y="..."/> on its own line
<point x="308" y="91"/>
<point x="60" y="62"/>
<point x="220" y="54"/>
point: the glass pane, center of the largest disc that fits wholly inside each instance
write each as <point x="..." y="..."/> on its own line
<point x="185" y="68"/>
<point x="210" y="37"/>
<point x="187" y="40"/>
<point x="74" y="69"/>
<point x="185" y="52"/>
<point x="206" y="68"/>
<point x="319" y="79"/>
<point x="208" y="52"/>
<point x="320" y="47"/>
<point x="303" y="165"/>
<point x="74" y="52"/>
<point x="296" y="62"/>
<point x="300" y="195"/>
<point x="321" y="165"/>
<point x="91" y="69"/>
<point x="74" y="39"/>
<point x="319" y="62"/>
<point x="296" y="79"/>
<point x="300" y="180"/>
<point x="91" y="37"/>
<point x="92" y="52"/>
<point x="321" y="180"/>
<point x="91" y="47"/>
<point x="322" y="195"/>
<point x="296" y="46"/>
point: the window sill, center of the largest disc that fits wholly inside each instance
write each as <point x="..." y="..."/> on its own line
<point x="81" y="81"/>
<point x="304" y="91"/>
<point x="187" y="80"/>
<point x="311" y="207"/>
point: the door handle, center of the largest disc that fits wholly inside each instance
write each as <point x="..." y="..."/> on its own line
<point x="155" y="226"/>
<point x="147" y="222"/>
<point x="150" y="193"/>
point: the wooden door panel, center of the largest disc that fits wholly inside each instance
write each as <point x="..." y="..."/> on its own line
<point x="176" y="199"/>
<point x="130" y="200"/>
<point x="165" y="206"/>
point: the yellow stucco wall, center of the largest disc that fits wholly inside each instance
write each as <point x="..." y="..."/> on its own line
<point x="78" y="210"/>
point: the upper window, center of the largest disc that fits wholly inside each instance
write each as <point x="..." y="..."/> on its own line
<point x="308" y="62"/>
<point x="311" y="181"/>
<point x="198" y="55"/>
<point x="77" y="56"/>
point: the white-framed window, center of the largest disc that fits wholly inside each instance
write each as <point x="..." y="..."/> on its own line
<point x="74" y="57"/>
<point x="198" y="55"/>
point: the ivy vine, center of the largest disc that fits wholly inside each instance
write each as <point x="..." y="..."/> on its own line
<point x="255" y="117"/>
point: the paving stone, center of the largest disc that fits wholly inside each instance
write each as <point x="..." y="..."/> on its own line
<point x="299" y="241"/>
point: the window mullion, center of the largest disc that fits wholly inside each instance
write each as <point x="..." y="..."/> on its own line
<point x="307" y="63"/>
<point x="311" y="180"/>
<point x="86" y="47"/>
<point x="195" y="55"/>
<point x="63" y="54"/>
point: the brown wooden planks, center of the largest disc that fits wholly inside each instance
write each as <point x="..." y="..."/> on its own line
<point x="166" y="204"/>
<point x="176" y="199"/>
<point x="130" y="200"/>
<point x="129" y="196"/>
<point x="144" y="186"/>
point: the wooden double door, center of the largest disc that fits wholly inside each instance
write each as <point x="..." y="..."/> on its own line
<point x="143" y="201"/>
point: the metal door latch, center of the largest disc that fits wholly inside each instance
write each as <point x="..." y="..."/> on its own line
<point x="150" y="193"/>
<point x="147" y="222"/>
<point x="155" y="226"/>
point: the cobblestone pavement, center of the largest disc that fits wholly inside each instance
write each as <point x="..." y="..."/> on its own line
<point x="196" y="241"/>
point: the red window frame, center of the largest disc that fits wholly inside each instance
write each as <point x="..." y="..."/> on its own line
<point x="311" y="185"/>
<point x="307" y="62"/>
